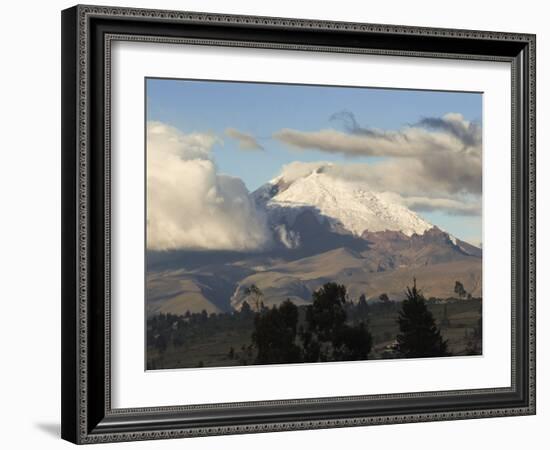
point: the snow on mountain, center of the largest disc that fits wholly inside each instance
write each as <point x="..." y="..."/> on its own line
<point x="348" y="206"/>
<point x="324" y="229"/>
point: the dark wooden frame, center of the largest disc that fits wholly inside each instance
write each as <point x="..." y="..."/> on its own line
<point x="87" y="32"/>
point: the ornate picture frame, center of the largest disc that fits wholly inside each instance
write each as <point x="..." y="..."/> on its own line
<point x="88" y="33"/>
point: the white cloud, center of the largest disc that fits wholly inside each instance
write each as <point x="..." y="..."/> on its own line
<point x="438" y="155"/>
<point x="447" y="205"/>
<point x="290" y="239"/>
<point x="410" y="142"/>
<point x="404" y="181"/>
<point x="189" y="204"/>
<point x="246" y="141"/>
<point x="454" y="207"/>
<point x="299" y="169"/>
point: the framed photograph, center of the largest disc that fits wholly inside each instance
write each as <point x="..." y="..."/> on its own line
<point x="279" y="224"/>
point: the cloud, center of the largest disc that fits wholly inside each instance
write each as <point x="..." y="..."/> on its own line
<point x="246" y="141"/>
<point x="403" y="181"/>
<point x="334" y="141"/>
<point x="289" y="238"/>
<point x="446" y="205"/>
<point x="189" y="204"/>
<point x="442" y="154"/>
<point x="352" y="126"/>
<point x="449" y="134"/>
<point x="467" y="132"/>
<point x="299" y="169"/>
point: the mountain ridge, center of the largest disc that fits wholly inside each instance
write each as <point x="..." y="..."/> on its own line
<point x="323" y="230"/>
<point x="349" y="206"/>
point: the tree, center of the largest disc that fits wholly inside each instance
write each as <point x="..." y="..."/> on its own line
<point x="445" y="322"/>
<point x="162" y="343"/>
<point x="459" y="289"/>
<point x="384" y="298"/>
<point x="419" y="337"/>
<point x="274" y="335"/>
<point x="326" y="314"/>
<point x="362" y="307"/>
<point x="256" y="295"/>
<point x="246" y="310"/>
<point x="474" y="346"/>
<point x="479" y="328"/>
<point x="352" y="343"/>
<point x="328" y="337"/>
<point x="312" y="351"/>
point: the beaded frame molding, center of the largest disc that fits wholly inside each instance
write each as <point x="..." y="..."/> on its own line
<point x="87" y="35"/>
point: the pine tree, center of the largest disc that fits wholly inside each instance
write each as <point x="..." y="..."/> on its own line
<point x="328" y="336"/>
<point x="246" y="310"/>
<point x="419" y="337"/>
<point x="274" y="335"/>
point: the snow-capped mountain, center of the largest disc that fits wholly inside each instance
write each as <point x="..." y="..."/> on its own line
<point x="324" y="229"/>
<point x="349" y="207"/>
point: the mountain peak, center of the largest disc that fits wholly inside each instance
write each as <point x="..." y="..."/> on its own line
<point x="348" y="206"/>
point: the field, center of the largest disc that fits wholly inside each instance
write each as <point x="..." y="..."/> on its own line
<point x="215" y="340"/>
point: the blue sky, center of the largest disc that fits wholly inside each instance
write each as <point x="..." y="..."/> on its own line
<point x="262" y="109"/>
